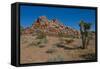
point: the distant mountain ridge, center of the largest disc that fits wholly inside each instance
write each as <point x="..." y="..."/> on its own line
<point x="50" y="27"/>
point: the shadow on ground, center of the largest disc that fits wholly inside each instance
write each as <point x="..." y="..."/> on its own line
<point x="89" y="56"/>
<point x="67" y="47"/>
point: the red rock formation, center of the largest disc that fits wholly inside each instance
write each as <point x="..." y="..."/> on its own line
<point x="52" y="27"/>
<point x="28" y="31"/>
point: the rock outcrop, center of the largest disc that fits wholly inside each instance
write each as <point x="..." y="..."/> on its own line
<point x="50" y="27"/>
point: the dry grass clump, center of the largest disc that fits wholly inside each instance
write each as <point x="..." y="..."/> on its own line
<point x="89" y="56"/>
<point x="56" y="58"/>
<point x="51" y="50"/>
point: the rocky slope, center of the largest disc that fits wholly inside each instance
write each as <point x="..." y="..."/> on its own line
<point x="50" y="27"/>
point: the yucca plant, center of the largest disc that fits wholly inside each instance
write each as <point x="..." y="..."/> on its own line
<point x="85" y="30"/>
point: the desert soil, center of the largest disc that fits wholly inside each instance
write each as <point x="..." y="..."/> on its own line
<point x="50" y="52"/>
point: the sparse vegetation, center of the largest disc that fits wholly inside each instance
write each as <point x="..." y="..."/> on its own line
<point x="41" y="39"/>
<point x="41" y="35"/>
<point x="51" y="50"/>
<point x="32" y="44"/>
<point x="56" y="58"/>
<point x="21" y="29"/>
<point x="42" y="46"/>
<point x="67" y="41"/>
<point x="89" y="56"/>
<point x="60" y="45"/>
<point x="38" y="43"/>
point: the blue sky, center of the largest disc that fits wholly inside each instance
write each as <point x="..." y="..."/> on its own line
<point x="67" y="16"/>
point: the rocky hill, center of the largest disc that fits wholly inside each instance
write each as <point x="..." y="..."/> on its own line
<point x="50" y="27"/>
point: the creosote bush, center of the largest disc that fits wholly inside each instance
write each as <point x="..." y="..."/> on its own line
<point x="56" y="58"/>
<point x="51" y="50"/>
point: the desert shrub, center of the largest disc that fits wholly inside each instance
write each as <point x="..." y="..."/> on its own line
<point x="65" y="47"/>
<point x="33" y="34"/>
<point x="41" y="35"/>
<point x="60" y="45"/>
<point x="35" y="43"/>
<point x="56" y="59"/>
<point x="69" y="36"/>
<point x="60" y="34"/>
<point x="89" y="56"/>
<point x="66" y="38"/>
<point x="69" y="41"/>
<point x="51" y="50"/>
<point x="44" y="40"/>
<point x="38" y="43"/>
<point x="24" y="41"/>
<point x="66" y="41"/>
<point x="41" y="46"/>
<point x="78" y="37"/>
<point x="31" y="44"/>
<point x="40" y="39"/>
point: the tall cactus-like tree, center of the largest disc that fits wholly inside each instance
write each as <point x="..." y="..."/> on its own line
<point x="81" y="24"/>
<point x="85" y="30"/>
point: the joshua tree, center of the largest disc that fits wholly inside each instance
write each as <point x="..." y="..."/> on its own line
<point x="85" y="31"/>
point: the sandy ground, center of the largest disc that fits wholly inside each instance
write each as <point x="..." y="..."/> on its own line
<point x="51" y="52"/>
